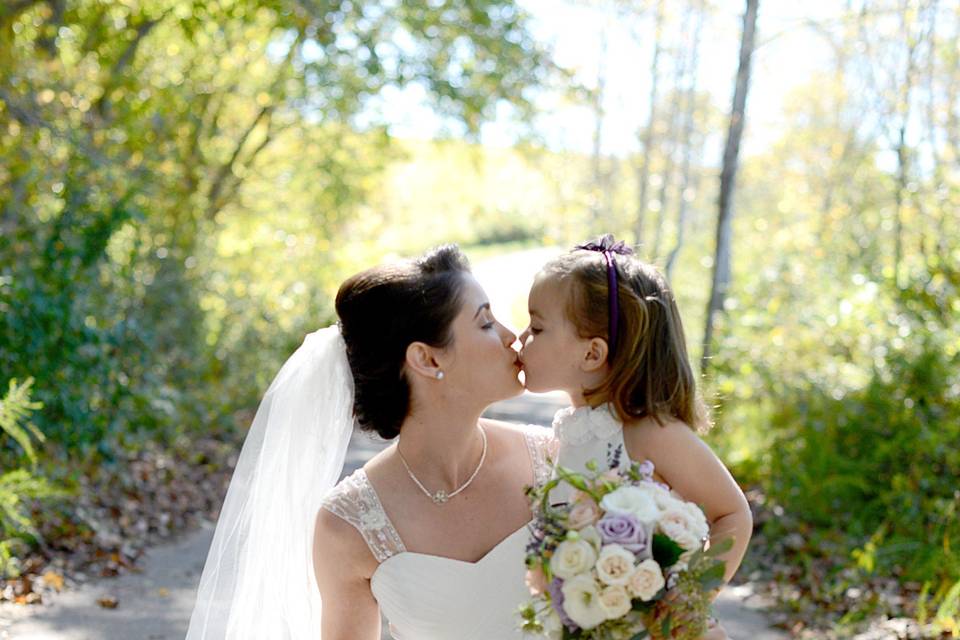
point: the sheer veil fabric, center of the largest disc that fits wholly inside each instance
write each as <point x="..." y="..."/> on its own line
<point x="258" y="581"/>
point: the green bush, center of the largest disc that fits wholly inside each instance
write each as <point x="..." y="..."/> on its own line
<point x="19" y="486"/>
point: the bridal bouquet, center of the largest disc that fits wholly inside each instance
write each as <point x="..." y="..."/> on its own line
<point x="623" y="560"/>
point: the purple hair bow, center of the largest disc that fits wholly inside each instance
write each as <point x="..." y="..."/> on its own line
<point x="608" y="245"/>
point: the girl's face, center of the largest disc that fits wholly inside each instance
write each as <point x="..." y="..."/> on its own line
<point x="551" y="351"/>
<point x="481" y="362"/>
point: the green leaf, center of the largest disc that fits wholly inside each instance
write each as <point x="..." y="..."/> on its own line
<point x="665" y="551"/>
<point x="640" y="636"/>
<point x="719" y="548"/>
<point x="712" y="578"/>
<point x="666" y="625"/>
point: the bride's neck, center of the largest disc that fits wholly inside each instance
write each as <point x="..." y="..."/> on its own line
<point x="442" y="448"/>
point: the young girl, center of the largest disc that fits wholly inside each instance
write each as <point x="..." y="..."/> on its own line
<point x="605" y="328"/>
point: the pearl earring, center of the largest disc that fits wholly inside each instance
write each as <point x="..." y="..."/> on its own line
<point x="439" y="375"/>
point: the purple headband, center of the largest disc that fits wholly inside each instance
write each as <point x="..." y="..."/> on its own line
<point x="608" y="246"/>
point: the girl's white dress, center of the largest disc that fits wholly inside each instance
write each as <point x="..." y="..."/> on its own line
<point x="587" y="434"/>
<point x="427" y="597"/>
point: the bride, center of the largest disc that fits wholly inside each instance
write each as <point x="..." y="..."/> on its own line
<point x="432" y="531"/>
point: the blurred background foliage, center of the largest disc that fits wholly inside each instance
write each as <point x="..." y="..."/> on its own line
<point x="183" y="185"/>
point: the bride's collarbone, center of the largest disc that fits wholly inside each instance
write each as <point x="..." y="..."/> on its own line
<point x="464" y="528"/>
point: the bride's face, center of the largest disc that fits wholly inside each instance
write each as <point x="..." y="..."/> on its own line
<point x="481" y="362"/>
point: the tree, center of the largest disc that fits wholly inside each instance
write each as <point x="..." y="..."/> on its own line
<point x="722" y="261"/>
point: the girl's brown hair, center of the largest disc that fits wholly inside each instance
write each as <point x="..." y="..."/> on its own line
<point x="650" y="372"/>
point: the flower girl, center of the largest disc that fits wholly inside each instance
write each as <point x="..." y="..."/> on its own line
<point x="604" y="327"/>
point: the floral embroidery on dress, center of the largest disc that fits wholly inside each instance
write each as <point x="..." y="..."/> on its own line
<point x="542" y="446"/>
<point x="581" y="425"/>
<point x="354" y="500"/>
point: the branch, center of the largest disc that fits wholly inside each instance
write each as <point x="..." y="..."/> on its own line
<point x="102" y="105"/>
<point x="226" y="169"/>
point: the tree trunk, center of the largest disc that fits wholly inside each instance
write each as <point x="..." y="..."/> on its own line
<point x="597" y="189"/>
<point x="643" y="173"/>
<point x="728" y="174"/>
<point x="689" y="118"/>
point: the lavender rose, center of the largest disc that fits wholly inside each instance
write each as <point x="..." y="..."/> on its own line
<point x="555" y="588"/>
<point x="627" y="531"/>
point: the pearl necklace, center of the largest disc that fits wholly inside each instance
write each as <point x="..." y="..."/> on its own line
<point x="442" y="496"/>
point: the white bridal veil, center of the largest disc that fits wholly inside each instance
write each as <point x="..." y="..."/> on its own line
<point x="258" y="581"/>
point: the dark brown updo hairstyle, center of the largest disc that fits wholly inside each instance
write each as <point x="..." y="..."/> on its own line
<point x="382" y="311"/>
<point x="650" y="372"/>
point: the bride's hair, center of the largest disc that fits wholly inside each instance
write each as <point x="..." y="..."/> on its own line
<point x="384" y="309"/>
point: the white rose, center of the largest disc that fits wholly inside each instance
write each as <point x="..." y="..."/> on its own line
<point x="552" y="626"/>
<point x="591" y="535"/>
<point x="646" y="581"/>
<point x="615" y="565"/>
<point x="572" y="557"/>
<point x="632" y="500"/>
<point x="698" y="521"/>
<point x="581" y="601"/>
<point x="615" y="602"/>
<point x="677" y="525"/>
<point x="664" y="498"/>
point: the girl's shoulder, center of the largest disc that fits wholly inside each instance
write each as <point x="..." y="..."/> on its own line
<point x="650" y="438"/>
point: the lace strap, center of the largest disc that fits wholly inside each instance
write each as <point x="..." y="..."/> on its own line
<point x="542" y="446"/>
<point x="355" y="501"/>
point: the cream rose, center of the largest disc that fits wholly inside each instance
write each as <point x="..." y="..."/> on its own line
<point x="633" y="500"/>
<point x="615" y="602"/>
<point x="646" y="581"/>
<point x="591" y="535"/>
<point x="615" y="565"/>
<point x="572" y="557"/>
<point x="581" y="601"/>
<point x="584" y="513"/>
<point x="677" y="525"/>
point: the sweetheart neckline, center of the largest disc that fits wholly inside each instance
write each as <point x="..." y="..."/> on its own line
<point x="468" y="563"/>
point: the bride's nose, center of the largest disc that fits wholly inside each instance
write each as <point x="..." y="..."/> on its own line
<point x="509" y="337"/>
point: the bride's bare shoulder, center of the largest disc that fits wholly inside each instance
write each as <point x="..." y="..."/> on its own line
<point x="513" y="429"/>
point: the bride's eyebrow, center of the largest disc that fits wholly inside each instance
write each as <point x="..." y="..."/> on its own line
<point x="485" y="305"/>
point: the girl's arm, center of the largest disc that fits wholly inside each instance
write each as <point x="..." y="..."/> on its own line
<point x="341" y="562"/>
<point x="688" y="465"/>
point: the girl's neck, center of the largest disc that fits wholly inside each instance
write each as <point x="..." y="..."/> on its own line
<point x="578" y="400"/>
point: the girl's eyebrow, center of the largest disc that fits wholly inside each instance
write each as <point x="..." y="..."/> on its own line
<point x="485" y="305"/>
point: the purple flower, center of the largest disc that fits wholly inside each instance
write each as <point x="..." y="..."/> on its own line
<point x="556" y="597"/>
<point x="625" y="530"/>
<point x="646" y="470"/>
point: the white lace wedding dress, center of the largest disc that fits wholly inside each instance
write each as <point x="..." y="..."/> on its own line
<point x="427" y="597"/>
